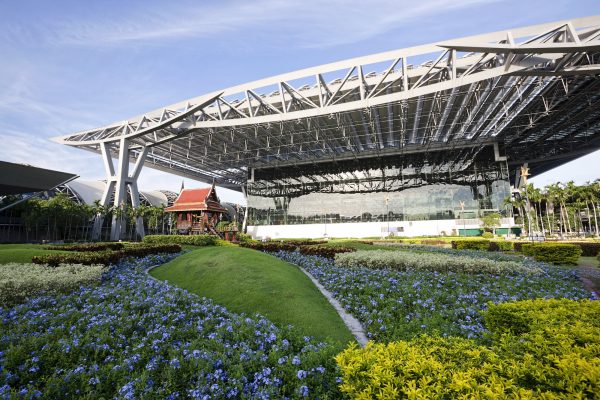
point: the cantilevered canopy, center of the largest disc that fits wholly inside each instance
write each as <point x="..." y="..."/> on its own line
<point x="20" y="178"/>
<point x="533" y="92"/>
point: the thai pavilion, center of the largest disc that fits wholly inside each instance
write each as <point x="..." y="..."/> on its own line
<point x="197" y="211"/>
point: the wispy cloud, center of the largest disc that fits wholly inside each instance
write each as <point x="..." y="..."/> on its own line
<point x="308" y="23"/>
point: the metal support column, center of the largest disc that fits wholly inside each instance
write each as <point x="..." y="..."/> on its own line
<point x="118" y="222"/>
<point x="246" y="210"/>
<point x="108" y="190"/>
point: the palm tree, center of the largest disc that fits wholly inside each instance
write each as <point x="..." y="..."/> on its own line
<point x="556" y="194"/>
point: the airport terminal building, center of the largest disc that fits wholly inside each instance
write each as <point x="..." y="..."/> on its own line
<point x="415" y="141"/>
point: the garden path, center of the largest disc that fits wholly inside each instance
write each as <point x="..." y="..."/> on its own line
<point x="590" y="277"/>
<point x="352" y="323"/>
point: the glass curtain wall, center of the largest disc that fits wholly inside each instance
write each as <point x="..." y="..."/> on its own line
<point x="448" y="185"/>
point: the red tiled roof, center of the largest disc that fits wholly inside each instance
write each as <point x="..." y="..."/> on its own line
<point x="195" y="200"/>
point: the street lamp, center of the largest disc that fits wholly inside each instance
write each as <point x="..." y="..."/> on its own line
<point x="387" y="206"/>
<point x="462" y="213"/>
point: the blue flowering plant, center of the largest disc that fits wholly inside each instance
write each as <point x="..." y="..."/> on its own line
<point x="401" y="304"/>
<point x="135" y="337"/>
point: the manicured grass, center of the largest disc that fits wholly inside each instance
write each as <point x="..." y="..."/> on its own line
<point x="22" y="253"/>
<point x="245" y="280"/>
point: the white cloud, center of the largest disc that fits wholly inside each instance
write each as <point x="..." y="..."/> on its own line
<point x="308" y="23"/>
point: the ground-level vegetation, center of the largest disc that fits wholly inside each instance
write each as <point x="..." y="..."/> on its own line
<point x="528" y="327"/>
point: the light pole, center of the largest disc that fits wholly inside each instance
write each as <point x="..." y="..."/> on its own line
<point x="462" y="214"/>
<point x="387" y="206"/>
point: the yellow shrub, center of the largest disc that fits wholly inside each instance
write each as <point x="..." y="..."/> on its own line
<point x="554" y="356"/>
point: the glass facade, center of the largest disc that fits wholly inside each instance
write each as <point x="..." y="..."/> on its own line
<point x="425" y="186"/>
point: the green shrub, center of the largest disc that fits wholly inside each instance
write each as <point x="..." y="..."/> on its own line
<point x="88" y="247"/>
<point x="555" y="253"/>
<point x="471" y="244"/>
<point x="270" y="246"/>
<point x="193" y="240"/>
<point x="500" y="245"/>
<point x="104" y="257"/>
<point x="588" y="249"/>
<point x="538" y="349"/>
<point x="18" y="282"/>
<point x="244" y="238"/>
<point x="487" y="235"/>
<point x="323" y="251"/>
<point x="518" y="246"/>
<point x="406" y="260"/>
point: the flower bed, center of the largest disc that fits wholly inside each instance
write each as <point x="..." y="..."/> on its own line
<point x="411" y="261"/>
<point x="21" y="281"/>
<point x="395" y="305"/>
<point x="134" y="337"/>
<point x="491" y="255"/>
<point x="539" y="349"/>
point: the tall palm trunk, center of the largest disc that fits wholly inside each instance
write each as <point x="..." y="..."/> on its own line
<point x="595" y="219"/>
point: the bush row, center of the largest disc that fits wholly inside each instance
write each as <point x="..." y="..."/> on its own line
<point x="270" y="246"/>
<point x="323" y="251"/>
<point x="89" y="246"/>
<point x="410" y="261"/>
<point x="539" y="349"/>
<point x="588" y="249"/>
<point x="555" y="253"/>
<point x="104" y="257"/>
<point x="18" y="282"/>
<point x="482" y="245"/>
<point x="194" y="240"/>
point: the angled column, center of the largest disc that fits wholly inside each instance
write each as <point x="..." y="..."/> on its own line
<point x="121" y="180"/>
<point x="135" y="194"/>
<point x="244" y="223"/>
<point x="108" y="190"/>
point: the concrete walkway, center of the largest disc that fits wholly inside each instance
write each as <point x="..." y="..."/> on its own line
<point x="352" y="323"/>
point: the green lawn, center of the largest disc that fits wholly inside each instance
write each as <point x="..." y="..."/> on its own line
<point x="22" y="253"/>
<point x="245" y="280"/>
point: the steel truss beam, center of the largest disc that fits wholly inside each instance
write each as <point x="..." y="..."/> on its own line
<point x="481" y="89"/>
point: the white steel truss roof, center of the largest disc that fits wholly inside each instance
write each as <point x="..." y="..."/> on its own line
<point x="534" y="91"/>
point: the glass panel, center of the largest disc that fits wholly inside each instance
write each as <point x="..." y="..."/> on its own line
<point x="407" y="188"/>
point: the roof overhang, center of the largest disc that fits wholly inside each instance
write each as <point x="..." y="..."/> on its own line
<point x="20" y="178"/>
<point x="532" y="90"/>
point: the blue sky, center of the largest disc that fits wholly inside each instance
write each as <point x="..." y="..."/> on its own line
<point x="73" y="65"/>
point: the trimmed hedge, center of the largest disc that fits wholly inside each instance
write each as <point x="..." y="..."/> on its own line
<point x="193" y="240"/>
<point x="433" y="242"/>
<point x="88" y="247"/>
<point x="104" y="257"/>
<point x="498" y="245"/>
<point x="322" y="251"/>
<point x="472" y="244"/>
<point x="588" y="249"/>
<point x="555" y="253"/>
<point x="270" y="246"/>
<point x="538" y="349"/>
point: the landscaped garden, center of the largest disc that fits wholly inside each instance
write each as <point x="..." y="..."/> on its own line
<point x="443" y="322"/>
